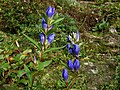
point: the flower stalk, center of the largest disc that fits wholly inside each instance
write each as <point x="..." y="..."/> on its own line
<point x="44" y="39"/>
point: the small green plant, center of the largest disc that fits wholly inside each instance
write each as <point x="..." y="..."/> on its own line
<point x="46" y="38"/>
<point x="103" y="25"/>
<point x="47" y="35"/>
<point x="74" y="50"/>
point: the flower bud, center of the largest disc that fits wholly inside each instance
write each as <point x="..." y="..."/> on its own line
<point x="70" y="64"/>
<point x="50" y="11"/>
<point x="69" y="48"/>
<point x="51" y="38"/>
<point x="76" y="64"/>
<point x="65" y="74"/>
<point x="42" y="37"/>
<point x="44" y="24"/>
<point x="76" y="49"/>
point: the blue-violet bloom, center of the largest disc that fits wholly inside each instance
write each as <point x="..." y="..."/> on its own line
<point x="50" y="38"/>
<point x="50" y="11"/>
<point x="44" y="24"/>
<point x="70" y="64"/>
<point x="76" y="64"/>
<point x="76" y="49"/>
<point x="65" y="74"/>
<point x="42" y="37"/>
<point x="69" y="48"/>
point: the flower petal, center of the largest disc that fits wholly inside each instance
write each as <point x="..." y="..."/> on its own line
<point x="65" y="74"/>
<point x="51" y="38"/>
<point x="70" y="64"/>
<point x="76" y="64"/>
<point x="44" y="24"/>
<point x="50" y="11"/>
<point x="42" y="37"/>
<point x="76" y="49"/>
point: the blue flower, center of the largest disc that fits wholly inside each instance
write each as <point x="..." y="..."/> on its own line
<point x="50" y="11"/>
<point x="50" y="38"/>
<point x="44" y="24"/>
<point x="73" y="50"/>
<point x="42" y="37"/>
<point x="65" y="74"/>
<point x="69" y="48"/>
<point x="70" y="64"/>
<point x="76" y="49"/>
<point x="76" y="64"/>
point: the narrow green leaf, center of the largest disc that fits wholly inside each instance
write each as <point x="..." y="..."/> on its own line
<point x="26" y="69"/>
<point x="33" y="41"/>
<point x="43" y="65"/>
<point x="58" y="20"/>
<point x="29" y="75"/>
<point x="53" y="49"/>
<point x="20" y="73"/>
<point x="63" y="63"/>
<point x="24" y="81"/>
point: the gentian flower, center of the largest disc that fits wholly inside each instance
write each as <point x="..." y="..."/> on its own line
<point x="76" y="37"/>
<point x="76" y="49"/>
<point x="69" y="48"/>
<point x="65" y="74"/>
<point x="51" y="38"/>
<point x="70" y="64"/>
<point x="50" y="11"/>
<point x="44" y="24"/>
<point x="42" y="37"/>
<point x="76" y="64"/>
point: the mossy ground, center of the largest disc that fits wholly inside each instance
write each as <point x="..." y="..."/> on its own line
<point x="99" y="56"/>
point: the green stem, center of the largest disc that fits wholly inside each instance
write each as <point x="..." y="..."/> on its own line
<point x="41" y="54"/>
<point x="73" y="81"/>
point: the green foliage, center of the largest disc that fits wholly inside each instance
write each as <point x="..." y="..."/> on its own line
<point x="43" y="64"/>
<point x="16" y="14"/>
<point x="17" y="67"/>
<point x="33" y="41"/>
<point x="53" y="49"/>
<point x="69" y="25"/>
<point x="109" y="14"/>
<point x="103" y="25"/>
